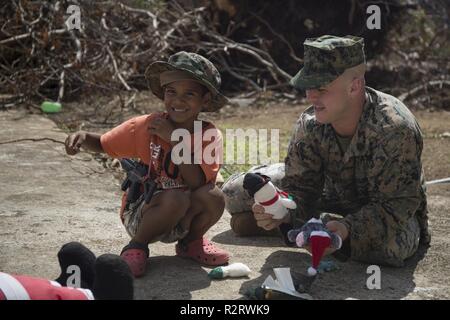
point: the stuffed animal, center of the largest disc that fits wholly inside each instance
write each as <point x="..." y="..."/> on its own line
<point x="274" y="201"/>
<point x="234" y="270"/>
<point x="318" y="237"/>
<point x="107" y="277"/>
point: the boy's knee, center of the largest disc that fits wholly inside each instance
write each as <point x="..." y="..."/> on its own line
<point x="175" y="200"/>
<point x="209" y="195"/>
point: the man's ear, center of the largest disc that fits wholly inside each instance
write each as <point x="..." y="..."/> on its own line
<point x="356" y="85"/>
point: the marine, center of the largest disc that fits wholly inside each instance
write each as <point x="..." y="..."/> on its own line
<point x="354" y="159"/>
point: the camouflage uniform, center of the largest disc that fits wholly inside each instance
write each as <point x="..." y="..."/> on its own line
<point x="376" y="184"/>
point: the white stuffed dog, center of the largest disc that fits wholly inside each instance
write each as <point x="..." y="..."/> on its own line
<point x="274" y="201"/>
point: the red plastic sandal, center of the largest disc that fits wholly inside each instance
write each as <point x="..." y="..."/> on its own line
<point x="136" y="260"/>
<point x="203" y="251"/>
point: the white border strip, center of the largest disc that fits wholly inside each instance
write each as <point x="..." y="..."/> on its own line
<point x="12" y="288"/>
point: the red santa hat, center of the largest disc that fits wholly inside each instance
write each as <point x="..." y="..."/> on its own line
<point x="319" y="241"/>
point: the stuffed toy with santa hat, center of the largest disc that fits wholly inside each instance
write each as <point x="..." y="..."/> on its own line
<point x="107" y="277"/>
<point x="274" y="200"/>
<point x="318" y="237"/>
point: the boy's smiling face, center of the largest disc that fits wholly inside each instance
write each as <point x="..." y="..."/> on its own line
<point x="184" y="100"/>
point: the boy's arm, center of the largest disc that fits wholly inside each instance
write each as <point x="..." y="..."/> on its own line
<point x="88" y="140"/>
<point x="193" y="175"/>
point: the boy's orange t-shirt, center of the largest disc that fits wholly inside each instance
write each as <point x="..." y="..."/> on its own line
<point x="132" y="140"/>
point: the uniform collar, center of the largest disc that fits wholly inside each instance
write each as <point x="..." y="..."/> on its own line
<point x="360" y="144"/>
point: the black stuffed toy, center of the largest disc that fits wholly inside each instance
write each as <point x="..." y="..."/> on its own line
<point x="107" y="277"/>
<point x="74" y="253"/>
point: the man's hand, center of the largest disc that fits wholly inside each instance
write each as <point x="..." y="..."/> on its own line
<point x="162" y="128"/>
<point x="339" y="228"/>
<point x="74" y="142"/>
<point x="265" y="220"/>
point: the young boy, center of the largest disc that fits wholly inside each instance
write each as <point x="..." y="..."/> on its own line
<point x="187" y="202"/>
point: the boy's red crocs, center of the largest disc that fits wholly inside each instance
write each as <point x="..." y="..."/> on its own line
<point x="203" y="251"/>
<point x="136" y="260"/>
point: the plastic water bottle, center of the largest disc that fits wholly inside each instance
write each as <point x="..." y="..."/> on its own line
<point x="51" y="107"/>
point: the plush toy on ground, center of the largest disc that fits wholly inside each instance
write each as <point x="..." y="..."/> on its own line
<point x="318" y="237"/>
<point x="106" y="278"/>
<point x="274" y="201"/>
<point x="76" y="254"/>
<point x="234" y="270"/>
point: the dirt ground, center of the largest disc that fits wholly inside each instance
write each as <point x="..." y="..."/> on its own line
<point x="49" y="198"/>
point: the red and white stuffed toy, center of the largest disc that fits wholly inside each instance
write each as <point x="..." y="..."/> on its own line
<point x="318" y="237"/>
<point x="15" y="287"/>
<point x="274" y="200"/>
<point x="107" y="277"/>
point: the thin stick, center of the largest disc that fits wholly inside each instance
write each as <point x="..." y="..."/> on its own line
<point x="433" y="83"/>
<point x="32" y="139"/>
<point x="117" y="69"/>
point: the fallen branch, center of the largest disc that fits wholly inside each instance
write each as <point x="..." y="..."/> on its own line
<point x="41" y="59"/>
<point x="116" y="69"/>
<point x="280" y="36"/>
<point x="61" y="86"/>
<point x="414" y="91"/>
<point x="33" y="140"/>
<point x="238" y="76"/>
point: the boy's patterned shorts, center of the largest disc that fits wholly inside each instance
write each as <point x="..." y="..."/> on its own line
<point x="132" y="217"/>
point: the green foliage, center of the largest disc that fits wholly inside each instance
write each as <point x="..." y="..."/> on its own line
<point x="228" y="169"/>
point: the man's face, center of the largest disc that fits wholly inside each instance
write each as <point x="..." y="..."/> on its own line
<point x="184" y="100"/>
<point x="330" y="102"/>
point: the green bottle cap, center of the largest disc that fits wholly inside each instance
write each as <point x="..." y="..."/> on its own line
<point x="51" y="107"/>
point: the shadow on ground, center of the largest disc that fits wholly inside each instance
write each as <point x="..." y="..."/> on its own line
<point x="349" y="282"/>
<point x="159" y="281"/>
<point x="229" y="237"/>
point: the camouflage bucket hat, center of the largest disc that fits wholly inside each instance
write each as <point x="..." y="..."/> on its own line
<point x="200" y="68"/>
<point x="326" y="58"/>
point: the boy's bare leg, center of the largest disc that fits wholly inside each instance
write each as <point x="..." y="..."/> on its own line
<point x="186" y="221"/>
<point x="207" y="206"/>
<point x="161" y="215"/>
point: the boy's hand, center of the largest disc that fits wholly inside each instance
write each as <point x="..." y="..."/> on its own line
<point x="162" y="128"/>
<point x="265" y="220"/>
<point x="74" y="142"/>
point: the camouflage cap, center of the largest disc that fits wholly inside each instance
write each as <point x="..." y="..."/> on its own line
<point x="198" y="67"/>
<point x="326" y="58"/>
